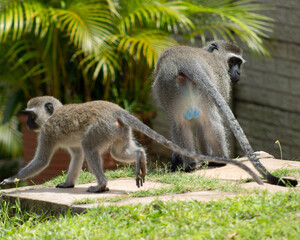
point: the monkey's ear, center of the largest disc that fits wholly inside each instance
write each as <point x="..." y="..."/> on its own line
<point x="212" y="47"/>
<point x="49" y="108"/>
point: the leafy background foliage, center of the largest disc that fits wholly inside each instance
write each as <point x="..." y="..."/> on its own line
<point x="79" y="50"/>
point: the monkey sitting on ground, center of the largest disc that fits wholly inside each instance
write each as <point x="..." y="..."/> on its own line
<point x="193" y="87"/>
<point x="88" y="130"/>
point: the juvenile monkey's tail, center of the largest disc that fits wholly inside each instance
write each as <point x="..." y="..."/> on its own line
<point x="137" y="125"/>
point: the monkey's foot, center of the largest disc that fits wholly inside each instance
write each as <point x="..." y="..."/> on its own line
<point x="64" y="185"/>
<point x="214" y="164"/>
<point x="98" y="189"/>
<point x="140" y="169"/>
<point x="177" y="163"/>
<point x="139" y="181"/>
<point x="192" y="113"/>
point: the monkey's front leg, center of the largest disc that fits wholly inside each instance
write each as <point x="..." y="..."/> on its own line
<point x="74" y="168"/>
<point x="36" y="165"/>
<point x="140" y="168"/>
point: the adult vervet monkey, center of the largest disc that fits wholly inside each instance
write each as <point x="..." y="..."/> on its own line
<point x="88" y="130"/>
<point x="193" y="87"/>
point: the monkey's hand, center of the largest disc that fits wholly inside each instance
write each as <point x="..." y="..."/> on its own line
<point x="9" y="180"/>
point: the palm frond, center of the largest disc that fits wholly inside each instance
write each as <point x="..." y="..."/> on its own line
<point x="155" y="14"/>
<point x="19" y="17"/>
<point x="22" y="52"/>
<point x="148" y="45"/>
<point x="88" y="23"/>
<point x="10" y="138"/>
<point x="228" y="18"/>
<point x="102" y="62"/>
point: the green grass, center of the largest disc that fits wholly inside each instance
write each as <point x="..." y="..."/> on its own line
<point x="287" y="172"/>
<point x="257" y="216"/>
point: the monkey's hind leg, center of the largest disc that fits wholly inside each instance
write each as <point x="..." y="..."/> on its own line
<point x="126" y="150"/>
<point x="74" y="168"/>
<point x="182" y="135"/>
<point x="94" y="144"/>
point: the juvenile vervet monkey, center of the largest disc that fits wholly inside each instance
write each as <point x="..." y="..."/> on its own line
<point x="193" y="87"/>
<point x="87" y="130"/>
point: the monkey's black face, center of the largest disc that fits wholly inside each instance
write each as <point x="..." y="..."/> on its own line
<point x="234" y="71"/>
<point x="31" y="120"/>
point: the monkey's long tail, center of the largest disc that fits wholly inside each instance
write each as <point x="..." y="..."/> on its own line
<point x="204" y="84"/>
<point x="137" y="125"/>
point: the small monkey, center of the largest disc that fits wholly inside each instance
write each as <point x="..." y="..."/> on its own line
<point x="87" y="130"/>
<point x="193" y="87"/>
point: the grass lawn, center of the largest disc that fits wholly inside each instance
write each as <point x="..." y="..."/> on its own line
<point x="258" y="215"/>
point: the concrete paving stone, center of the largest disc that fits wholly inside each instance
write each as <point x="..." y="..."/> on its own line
<point x="268" y="187"/>
<point x="40" y="198"/>
<point x="55" y="198"/>
<point x="203" y="196"/>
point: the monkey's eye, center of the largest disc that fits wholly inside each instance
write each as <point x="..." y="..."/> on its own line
<point x="49" y="108"/>
<point x="235" y="61"/>
<point x="212" y="47"/>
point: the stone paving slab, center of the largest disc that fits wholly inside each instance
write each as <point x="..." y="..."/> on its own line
<point x="268" y="187"/>
<point x="41" y="198"/>
<point x="203" y="196"/>
<point x="51" y="197"/>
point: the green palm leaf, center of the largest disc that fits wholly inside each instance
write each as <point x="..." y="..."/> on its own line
<point x="88" y="23"/>
<point x="19" y="17"/>
<point x="102" y="61"/>
<point x="10" y="138"/>
<point x="148" y="45"/>
<point x="227" y="18"/>
<point x="154" y="14"/>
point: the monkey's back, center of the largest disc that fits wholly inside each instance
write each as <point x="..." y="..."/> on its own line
<point x="197" y="60"/>
<point x="74" y="118"/>
<point x="185" y="55"/>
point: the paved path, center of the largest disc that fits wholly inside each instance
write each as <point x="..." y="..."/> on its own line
<point x="42" y="198"/>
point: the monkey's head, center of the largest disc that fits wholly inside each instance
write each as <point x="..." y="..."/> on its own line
<point x="39" y="109"/>
<point x="233" y="56"/>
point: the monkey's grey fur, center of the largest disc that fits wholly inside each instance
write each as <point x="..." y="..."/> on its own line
<point x="193" y="87"/>
<point x="89" y="129"/>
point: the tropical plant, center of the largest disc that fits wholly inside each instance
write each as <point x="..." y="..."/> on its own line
<point x="10" y="139"/>
<point x="78" y="50"/>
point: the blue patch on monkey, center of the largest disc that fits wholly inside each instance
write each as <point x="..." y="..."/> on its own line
<point x="191" y="113"/>
<point x="196" y="113"/>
